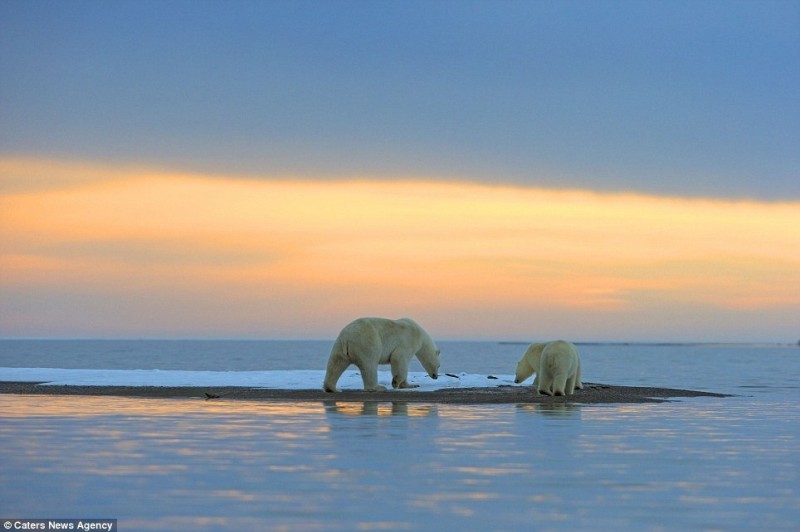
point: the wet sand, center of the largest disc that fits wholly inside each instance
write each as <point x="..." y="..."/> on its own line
<point x="590" y="394"/>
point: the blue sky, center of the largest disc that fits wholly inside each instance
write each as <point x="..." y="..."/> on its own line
<point x="669" y="98"/>
<point x="605" y="170"/>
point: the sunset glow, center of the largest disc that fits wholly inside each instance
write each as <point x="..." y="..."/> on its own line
<point x="217" y="255"/>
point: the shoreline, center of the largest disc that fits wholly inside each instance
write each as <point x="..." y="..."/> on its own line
<point x="592" y="393"/>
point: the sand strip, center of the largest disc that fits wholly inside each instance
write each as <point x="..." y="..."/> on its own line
<point x="591" y="394"/>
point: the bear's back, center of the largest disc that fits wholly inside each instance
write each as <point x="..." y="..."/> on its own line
<point x="558" y="354"/>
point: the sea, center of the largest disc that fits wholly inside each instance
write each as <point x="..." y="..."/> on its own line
<point x="706" y="463"/>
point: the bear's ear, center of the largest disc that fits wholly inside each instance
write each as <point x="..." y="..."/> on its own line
<point x="437" y="352"/>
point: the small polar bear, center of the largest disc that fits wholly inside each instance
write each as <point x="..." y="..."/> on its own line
<point x="367" y="342"/>
<point x="557" y="367"/>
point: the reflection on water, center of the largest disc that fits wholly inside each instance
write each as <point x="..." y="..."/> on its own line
<point x="375" y="408"/>
<point x="568" y="410"/>
<point x="92" y="406"/>
<point x="207" y="465"/>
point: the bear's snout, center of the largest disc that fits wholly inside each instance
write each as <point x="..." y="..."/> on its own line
<point x="434" y="376"/>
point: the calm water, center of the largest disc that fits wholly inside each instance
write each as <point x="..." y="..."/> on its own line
<point x="698" y="464"/>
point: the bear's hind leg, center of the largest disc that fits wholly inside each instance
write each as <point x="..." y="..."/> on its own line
<point x="337" y="363"/>
<point x="570" y="386"/>
<point x="543" y="388"/>
<point x="559" y="384"/>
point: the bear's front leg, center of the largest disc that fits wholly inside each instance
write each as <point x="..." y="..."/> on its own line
<point x="400" y="371"/>
<point x="396" y="383"/>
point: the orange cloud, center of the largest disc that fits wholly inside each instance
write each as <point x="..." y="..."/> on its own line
<point x="313" y="248"/>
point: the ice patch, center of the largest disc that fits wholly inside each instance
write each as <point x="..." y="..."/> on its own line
<point x="283" y="380"/>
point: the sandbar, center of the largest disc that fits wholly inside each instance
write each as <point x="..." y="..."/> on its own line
<point x="592" y="393"/>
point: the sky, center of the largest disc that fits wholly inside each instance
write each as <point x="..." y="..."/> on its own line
<point x="618" y="171"/>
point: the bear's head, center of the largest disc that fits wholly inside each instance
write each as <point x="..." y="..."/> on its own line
<point x="428" y="356"/>
<point x="529" y="363"/>
<point x="524" y="370"/>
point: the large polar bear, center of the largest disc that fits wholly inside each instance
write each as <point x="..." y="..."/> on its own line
<point x="367" y="342"/>
<point x="557" y="367"/>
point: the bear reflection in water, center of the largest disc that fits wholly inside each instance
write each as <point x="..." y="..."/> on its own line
<point x="551" y="409"/>
<point x="375" y="408"/>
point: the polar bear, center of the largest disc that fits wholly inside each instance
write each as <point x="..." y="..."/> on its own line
<point x="557" y="367"/>
<point x="367" y="342"/>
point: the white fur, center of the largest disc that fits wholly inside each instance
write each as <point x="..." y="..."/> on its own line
<point x="368" y="342"/>
<point x="557" y="367"/>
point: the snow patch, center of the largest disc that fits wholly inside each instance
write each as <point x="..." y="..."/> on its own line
<point x="282" y="380"/>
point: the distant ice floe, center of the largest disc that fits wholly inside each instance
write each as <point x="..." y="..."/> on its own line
<point x="283" y="380"/>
